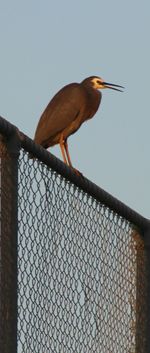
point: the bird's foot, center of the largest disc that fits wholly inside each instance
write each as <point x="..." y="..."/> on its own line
<point x="77" y="172"/>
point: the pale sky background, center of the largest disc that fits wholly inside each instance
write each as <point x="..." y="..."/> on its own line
<point x="46" y="44"/>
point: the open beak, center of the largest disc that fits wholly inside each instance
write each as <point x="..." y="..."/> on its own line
<point x="112" y="86"/>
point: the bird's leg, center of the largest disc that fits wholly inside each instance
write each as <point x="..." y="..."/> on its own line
<point x="69" y="159"/>
<point x="62" y="147"/>
<point x="68" y="155"/>
<point x="65" y="153"/>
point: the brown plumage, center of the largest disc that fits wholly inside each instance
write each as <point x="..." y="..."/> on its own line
<point x="68" y="109"/>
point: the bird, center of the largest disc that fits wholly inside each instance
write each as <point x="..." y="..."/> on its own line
<point x="70" y="107"/>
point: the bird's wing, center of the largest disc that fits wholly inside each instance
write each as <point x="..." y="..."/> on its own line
<point x="60" y="112"/>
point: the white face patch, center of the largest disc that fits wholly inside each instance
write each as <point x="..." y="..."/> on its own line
<point x="97" y="82"/>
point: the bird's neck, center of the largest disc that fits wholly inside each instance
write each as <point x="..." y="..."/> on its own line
<point x="94" y="98"/>
<point x="94" y="94"/>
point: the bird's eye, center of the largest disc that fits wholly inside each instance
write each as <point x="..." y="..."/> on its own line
<point x="98" y="82"/>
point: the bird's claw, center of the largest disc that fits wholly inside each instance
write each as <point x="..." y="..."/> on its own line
<point x="78" y="173"/>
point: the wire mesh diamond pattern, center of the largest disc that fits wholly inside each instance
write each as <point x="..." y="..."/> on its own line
<point x="76" y="268"/>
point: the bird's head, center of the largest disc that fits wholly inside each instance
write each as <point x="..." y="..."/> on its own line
<point x="98" y="83"/>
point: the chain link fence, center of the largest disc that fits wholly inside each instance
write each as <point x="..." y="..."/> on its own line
<point x="80" y="265"/>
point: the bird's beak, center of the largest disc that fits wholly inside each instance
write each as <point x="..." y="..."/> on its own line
<point x="112" y="86"/>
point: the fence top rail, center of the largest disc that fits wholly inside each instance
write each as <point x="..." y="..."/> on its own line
<point x="7" y="129"/>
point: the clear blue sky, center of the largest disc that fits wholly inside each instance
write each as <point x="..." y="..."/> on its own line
<point x="47" y="44"/>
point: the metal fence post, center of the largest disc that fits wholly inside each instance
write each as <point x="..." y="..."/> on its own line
<point x="147" y="265"/>
<point x="9" y="152"/>
<point x="143" y="292"/>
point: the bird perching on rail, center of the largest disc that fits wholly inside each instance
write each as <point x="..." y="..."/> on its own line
<point x="68" y="109"/>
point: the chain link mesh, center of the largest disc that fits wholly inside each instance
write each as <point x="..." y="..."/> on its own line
<point x="77" y="268"/>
